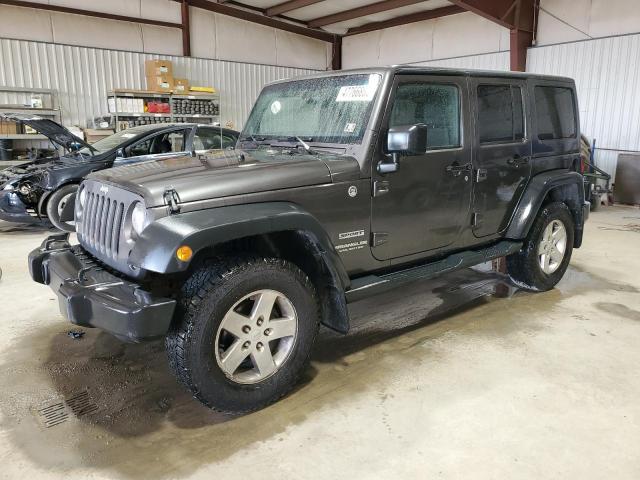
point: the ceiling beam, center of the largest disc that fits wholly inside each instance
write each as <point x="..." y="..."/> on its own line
<point x="519" y="16"/>
<point x="363" y="11"/>
<point x="260" y="19"/>
<point x="405" y="19"/>
<point x="501" y="12"/>
<point x="88" y="13"/>
<point x="186" y="29"/>
<point x="288" y="6"/>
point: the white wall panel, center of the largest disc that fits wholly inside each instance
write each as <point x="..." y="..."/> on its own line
<point x="298" y="51"/>
<point x="203" y="33"/>
<point x="13" y="21"/>
<point x="95" y="32"/>
<point x="607" y="75"/>
<point x="212" y="35"/>
<point x="163" y="40"/>
<point x="488" y="61"/>
<point x="570" y="20"/>
<point x="442" y="38"/>
<point x="245" y="42"/>
<point x="163" y="10"/>
<point x="82" y="76"/>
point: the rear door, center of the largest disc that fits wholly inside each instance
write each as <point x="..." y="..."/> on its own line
<point x="502" y="153"/>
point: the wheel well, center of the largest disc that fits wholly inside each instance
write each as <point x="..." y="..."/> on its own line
<point x="570" y="196"/>
<point x="303" y="249"/>
<point x="42" y="204"/>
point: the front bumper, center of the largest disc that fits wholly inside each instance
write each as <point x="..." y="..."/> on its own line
<point x="90" y="296"/>
<point x="13" y="210"/>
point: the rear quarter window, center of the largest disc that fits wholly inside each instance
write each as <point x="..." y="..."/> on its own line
<point x="555" y="112"/>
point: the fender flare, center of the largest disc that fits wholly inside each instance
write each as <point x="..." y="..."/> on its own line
<point x="537" y="189"/>
<point x="155" y="250"/>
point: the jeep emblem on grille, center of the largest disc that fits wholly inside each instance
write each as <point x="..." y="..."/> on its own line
<point x="104" y="189"/>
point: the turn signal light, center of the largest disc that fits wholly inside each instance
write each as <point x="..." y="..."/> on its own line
<point x="184" y="253"/>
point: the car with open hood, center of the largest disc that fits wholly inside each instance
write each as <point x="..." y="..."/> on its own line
<point x="43" y="190"/>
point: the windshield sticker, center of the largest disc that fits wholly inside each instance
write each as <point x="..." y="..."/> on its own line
<point x="276" y="107"/>
<point x="128" y="135"/>
<point x="350" y="128"/>
<point x="356" y="93"/>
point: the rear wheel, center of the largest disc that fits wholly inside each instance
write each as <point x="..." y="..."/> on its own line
<point x="245" y="332"/>
<point x="56" y="205"/>
<point x="546" y="252"/>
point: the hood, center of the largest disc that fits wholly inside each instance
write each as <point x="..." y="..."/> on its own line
<point x="52" y="130"/>
<point x="220" y="174"/>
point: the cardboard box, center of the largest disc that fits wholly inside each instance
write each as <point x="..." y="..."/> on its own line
<point x="92" y="135"/>
<point x="181" y="85"/>
<point x="157" y="68"/>
<point x="8" y="127"/>
<point x="160" y="83"/>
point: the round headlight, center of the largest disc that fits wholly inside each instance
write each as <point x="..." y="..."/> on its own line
<point x="139" y="218"/>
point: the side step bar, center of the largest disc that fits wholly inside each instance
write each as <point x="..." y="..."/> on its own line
<point x="373" y="284"/>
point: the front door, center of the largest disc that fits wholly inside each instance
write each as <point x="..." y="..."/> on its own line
<point x="502" y="152"/>
<point x="425" y="203"/>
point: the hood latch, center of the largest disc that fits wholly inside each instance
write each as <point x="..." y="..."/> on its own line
<point x="172" y="200"/>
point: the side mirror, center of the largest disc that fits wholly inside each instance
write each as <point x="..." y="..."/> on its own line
<point x="120" y="153"/>
<point x="404" y="140"/>
<point x="407" y="140"/>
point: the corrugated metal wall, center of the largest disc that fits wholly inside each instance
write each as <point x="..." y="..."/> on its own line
<point x="82" y="76"/>
<point x="607" y="75"/>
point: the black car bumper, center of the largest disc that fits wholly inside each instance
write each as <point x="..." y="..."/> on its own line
<point x="13" y="210"/>
<point x="90" y="296"/>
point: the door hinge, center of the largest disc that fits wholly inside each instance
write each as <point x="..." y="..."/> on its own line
<point x="476" y="219"/>
<point x="172" y="200"/>
<point x="380" y="187"/>
<point x="378" y="238"/>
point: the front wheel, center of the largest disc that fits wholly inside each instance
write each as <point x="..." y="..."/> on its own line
<point x="245" y="332"/>
<point x="56" y="205"/>
<point x="546" y="252"/>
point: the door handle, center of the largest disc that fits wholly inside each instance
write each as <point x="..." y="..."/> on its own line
<point x="517" y="160"/>
<point x="456" y="169"/>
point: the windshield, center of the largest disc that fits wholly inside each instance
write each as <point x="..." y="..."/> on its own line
<point x="326" y="110"/>
<point x="114" y="141"/>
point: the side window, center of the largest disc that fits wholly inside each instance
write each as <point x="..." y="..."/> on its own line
<point x="435" y="105"/>
<point x="555" y="113"/>
<point x="169" y="142"/>
<point x="500" y="113"/>
<point x="207" y="138"/>
<point x="141" y="148"/>
<point x="178" y="140"/>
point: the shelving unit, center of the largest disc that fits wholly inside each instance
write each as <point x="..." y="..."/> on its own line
<point x="181" y="107"/>
<point x="18" y="100"/>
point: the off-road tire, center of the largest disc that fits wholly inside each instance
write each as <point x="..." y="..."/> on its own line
<point x="206" y="297"/>
<point x="51" y="208"/>
<point x="523" y="266"/>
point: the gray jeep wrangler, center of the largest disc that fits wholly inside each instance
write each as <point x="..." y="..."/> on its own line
<point x="342" y="185"/>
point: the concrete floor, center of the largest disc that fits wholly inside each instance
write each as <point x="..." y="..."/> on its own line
<point x="441" y="379"/>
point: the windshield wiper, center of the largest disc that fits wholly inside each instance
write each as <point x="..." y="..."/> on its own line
<point x="305" y="145"/>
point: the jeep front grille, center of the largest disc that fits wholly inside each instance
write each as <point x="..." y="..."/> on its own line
<point x="101" y="229"/>
<point x="102" y="226"/>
